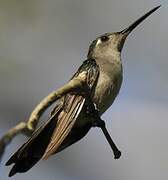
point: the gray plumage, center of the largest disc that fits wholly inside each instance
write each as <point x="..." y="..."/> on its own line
<point x="72" y="118"/>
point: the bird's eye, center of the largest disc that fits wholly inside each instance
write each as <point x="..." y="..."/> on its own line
<point x="104" y="38"/>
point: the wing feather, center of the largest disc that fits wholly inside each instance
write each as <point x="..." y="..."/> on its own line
<point x="64" y="126"/>
<point x="73" y="104"/>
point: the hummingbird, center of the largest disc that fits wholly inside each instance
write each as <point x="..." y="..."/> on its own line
<point x="77" y="112"/>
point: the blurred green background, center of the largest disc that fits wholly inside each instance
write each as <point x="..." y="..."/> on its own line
<point x="41" y="45"/>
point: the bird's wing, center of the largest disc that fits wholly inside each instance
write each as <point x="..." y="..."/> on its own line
<point x="32" y="151"/>
<point x="73" y="104"/>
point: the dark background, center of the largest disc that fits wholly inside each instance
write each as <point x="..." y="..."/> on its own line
<point x="41" y="45"/>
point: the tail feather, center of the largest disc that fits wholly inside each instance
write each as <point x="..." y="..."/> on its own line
<point x="32" y="151"/>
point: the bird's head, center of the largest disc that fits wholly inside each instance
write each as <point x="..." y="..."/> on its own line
<point x="111" y="43"/>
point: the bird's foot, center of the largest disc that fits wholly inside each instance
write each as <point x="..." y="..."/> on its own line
<point x="101" y="124"/>
<point x="98" y="123"/>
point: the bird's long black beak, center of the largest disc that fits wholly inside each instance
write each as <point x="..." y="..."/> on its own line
<point x="137" y="22"/>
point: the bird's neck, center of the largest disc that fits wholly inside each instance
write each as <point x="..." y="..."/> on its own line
<point x="109" y="61"/>
<point x="110" y="55"/>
